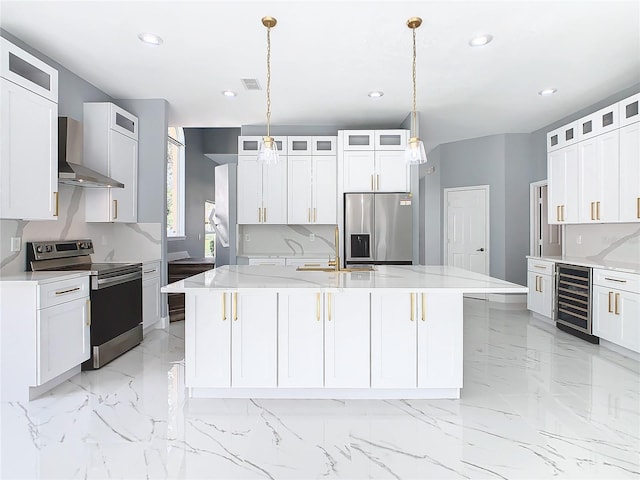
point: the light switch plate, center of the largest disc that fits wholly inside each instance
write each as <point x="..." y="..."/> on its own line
<point x="16" y="244"/>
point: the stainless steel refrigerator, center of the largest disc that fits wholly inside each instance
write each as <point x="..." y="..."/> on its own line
<point x="378" y="228"/>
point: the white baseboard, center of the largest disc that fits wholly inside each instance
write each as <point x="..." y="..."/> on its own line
<point x="544" y="319"/>
<point x="507" y="297"/>
<point x="35" y="392"/>
<point x="621" y="350"/>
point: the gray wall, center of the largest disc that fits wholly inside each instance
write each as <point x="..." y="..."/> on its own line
<point x="480" y="161"/>
<point x="220" y="140"/>
<point x="199" y="186"/>
<point x="431" y="233"/>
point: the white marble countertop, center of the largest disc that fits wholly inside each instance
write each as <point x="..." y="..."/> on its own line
<point x="41" y="277"/>
<point x="593" y="262"/>
<point x="327" y="256"/>
<point x="415" y="277"/>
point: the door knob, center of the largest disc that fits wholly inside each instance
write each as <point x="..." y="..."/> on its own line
<point x="480" y="249"/>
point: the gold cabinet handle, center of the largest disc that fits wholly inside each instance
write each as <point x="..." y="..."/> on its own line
<point x="315" y="215"/>
<point x="329" y="305"/>
<point x="616" y="304"/>
<point x="88" y="322"/>
<point x="424" y="308"/>
<point x="372" y="182"/>
<point x="62" y="292"/>
<point x="638" y="208"/>
<point x="540" y="266"/>
<point x="56" y="194"/>
<point x="224" y="306"/>
<point x="377" y="181"/>
<point x="558" y="213"/>
<point x="412" y="300"/>
<point x="265" y="214"/>
<point x="234" y="306"/>
<point x="537" y="283"/>
<point x="259" y="215"/>
<point x="562" y="213"/>
<point x="609" y="308"/>
<point x="115" y="209"/>
<point x="597" y="210"/>
<point x="592" y="215"/>
<point x="318" y="307"/>
<point x="309" y="214"/>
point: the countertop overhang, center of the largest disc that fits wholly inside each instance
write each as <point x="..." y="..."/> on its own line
<point x="409" y="278"/>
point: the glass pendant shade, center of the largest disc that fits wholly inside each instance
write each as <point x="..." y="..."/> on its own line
<point x="268" y="151"/>
<point x="415" y="153"/>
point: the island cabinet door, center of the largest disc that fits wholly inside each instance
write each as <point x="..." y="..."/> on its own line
<point x="300" y="339"/>
<point x="208" y="339"/>
<point x="440" y="340"/>
<point x="346" y="344"/>
<point x="393" y="340"/>
<point x="254" y="338"/>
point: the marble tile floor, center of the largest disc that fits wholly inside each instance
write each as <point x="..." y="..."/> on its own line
<point x="536" y="403"/>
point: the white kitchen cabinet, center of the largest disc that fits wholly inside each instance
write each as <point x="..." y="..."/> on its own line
<point x="312" y="189"/>
<point x="347" y="340"/>
<point x="208" y="339"/>
<point x="375" y="167"/>
<point x="298" y="145"/>
<point x="562" y="171"/>
<point x="616" y="308"/>
<point x="249" y="145"/>
<point x="416" y="340"/>
<point x="598" y="174"/>
<point x="262" y="191"/>
<point x="562" y="137"/>
<point x="628" y="111"/>
<point x="394" y="353"/>
<point x="597" y="123"/>
<point x="540" y="281"/>
<point x="150" y="294"/>
<point x="254" y="339"/>
<point x="111" y="148"/>
<point x="324" y="145"/>
<point x="439" y="340"/>
<point x="63" y="340"/>
<point x="301" y="339"/>
<point x="630" y="172"/>
<point x="28" y="136"/>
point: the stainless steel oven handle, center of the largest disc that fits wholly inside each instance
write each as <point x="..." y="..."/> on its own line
<point x="109" y="282"/>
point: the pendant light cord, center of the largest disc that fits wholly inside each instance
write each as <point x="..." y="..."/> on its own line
<point x="269" y="80"/>
<point x="413" y="123"/>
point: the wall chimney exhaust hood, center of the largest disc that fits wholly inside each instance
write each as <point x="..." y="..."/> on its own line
<point x="70" y="168"/>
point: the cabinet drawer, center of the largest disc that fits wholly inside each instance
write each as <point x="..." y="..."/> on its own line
<point x="629" y="282"/>
<point x="150" y="270"/>
<point x="55" y="293"/>
<point x="390" y="139"/>
<point x="542" y="267"/>
<point x="628" y="110"/>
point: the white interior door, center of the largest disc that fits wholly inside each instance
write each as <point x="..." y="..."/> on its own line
<point x="467" y="228"/>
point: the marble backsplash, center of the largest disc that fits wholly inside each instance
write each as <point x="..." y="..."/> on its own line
<point x="618" y="242"/>
<point x="287" y="240"/>
<point x="112" y="241"/>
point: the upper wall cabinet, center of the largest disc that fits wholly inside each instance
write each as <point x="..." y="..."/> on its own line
<point x="373" y="161"/>
<point x="111" y="148"/>
<point x="29" y="136"/>
<point x="262" y="191"/>
<point x="599" y="182"/>
<point x="249" y="145"/>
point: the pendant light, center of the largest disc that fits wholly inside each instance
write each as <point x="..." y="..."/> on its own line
<point x="268" y="150"/>
<point x="415" y="153"/>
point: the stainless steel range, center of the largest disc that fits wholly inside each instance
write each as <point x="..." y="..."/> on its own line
<point x="116" y="295"/>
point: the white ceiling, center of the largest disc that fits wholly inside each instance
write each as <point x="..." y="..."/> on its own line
<point x="327" y="55"/>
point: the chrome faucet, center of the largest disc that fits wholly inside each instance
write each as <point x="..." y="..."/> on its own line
<point x="336" y="263"/>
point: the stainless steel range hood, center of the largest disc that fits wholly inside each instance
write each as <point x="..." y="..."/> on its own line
<point x="70" y="168"/>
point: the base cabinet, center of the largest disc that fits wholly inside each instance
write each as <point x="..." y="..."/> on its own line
<point x="150" y="294"/>
<point x="616" y="317"/>
<point x="541" y="284"/>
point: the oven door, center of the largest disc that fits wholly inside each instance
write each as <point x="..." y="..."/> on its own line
<point x="116" y="318"/>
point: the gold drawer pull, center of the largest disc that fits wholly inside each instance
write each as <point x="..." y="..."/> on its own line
<point x="378" y="182"/>
<point x="57" y="196"/>
<point x="115" y="209"/>
<point x="62" y="292"/>
<point x="329" y="305"/>
<point x="609" y="307"/>
<point x="638" y="208"/>
<point x="372" y="182"/>
<point x="558" y="213"/>
<point x="315" y="215"/>
<point x="317" y="306"/>
<point x="309" y="215"/>
<point x="540" y="266"/>
<point x="259" y="215"/>
<point x="88" y="322"/>
<point x="412" y="300"/>
<point x="615" y="280"/>
<point x="616" y="304"/>
<point x="224" y="306"/>
<point x="592" y="214"/>
<point x="234" y="306"/>
<point x="265" y="214"/>
<point x="424" y="308"/>
<point x="597" y="210"/>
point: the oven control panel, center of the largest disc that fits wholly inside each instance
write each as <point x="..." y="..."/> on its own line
<point x="58" y="249"/>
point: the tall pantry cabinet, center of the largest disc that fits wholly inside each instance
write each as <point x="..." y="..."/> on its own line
<point x="29" y="136"/>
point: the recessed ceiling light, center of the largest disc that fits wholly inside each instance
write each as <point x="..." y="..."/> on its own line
<point x="229" y="93"/>
<point x="480" y="40"/>
<point x="375" y="94"/>
<point x="547" y="91"/>
<point x="150" y="38"/>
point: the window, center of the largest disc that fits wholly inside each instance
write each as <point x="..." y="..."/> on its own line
<point x="175" y="182"/>
<point x="209" y="231"/>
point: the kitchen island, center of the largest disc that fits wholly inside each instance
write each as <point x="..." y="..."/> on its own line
<point x="276" y="332"/>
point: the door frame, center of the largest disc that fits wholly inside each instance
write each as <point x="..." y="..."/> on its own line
<point x="445" y="230"/>
<point x="533" y="187"/>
